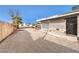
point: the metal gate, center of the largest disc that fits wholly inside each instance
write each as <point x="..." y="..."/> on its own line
<point x="71" y="25"/>
<point x="71" y="28"/>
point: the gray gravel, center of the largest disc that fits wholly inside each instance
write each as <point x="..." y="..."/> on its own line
<point x="24" y="41"/>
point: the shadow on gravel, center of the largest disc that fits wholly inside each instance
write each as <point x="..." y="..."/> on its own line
<point x="42" y="45"/>
<point x="21" y="42"/>
<point x="51" y="47"/>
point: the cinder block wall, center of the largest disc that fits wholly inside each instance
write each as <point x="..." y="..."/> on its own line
<point x="5" y="30"/>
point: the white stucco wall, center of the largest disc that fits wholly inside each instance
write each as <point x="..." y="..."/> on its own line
<point x="54" y="24"/>
<point x="78" y="26"/>
<point x="59" y="23"/>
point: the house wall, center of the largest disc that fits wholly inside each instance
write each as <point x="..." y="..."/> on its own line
<point x="54" y="24"/>
<point x="58" y="24"/>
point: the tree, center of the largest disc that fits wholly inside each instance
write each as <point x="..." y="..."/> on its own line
<point x="16" y="19"/>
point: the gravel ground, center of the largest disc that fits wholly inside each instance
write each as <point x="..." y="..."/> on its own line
<point x="32" y="41"/>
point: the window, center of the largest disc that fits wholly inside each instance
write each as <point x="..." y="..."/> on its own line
<point x="45" y="26"/>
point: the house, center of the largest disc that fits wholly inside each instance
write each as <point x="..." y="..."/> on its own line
<point x="68" y="22"/>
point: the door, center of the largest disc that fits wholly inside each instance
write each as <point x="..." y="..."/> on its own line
<point x="71" y="28"/>
<point x="71" y="25"/>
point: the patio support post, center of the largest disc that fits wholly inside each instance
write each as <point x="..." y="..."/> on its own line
<point x="78" y="27"/>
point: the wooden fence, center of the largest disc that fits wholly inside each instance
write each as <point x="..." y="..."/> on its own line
<point x="5" y="30"/>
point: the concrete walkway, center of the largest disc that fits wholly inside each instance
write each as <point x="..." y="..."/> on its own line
<point x="31" y="41"/>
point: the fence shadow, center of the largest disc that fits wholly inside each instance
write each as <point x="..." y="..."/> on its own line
<point x="51" y="47"/>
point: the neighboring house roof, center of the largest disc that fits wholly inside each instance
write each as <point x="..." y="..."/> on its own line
<point x="60" y="15"/>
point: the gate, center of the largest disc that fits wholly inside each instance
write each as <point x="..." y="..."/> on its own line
<point x="71" y="28"/>
<point x="71" y="25"/>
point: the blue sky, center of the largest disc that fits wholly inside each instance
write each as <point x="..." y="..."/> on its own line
<point x="30" y="13"/>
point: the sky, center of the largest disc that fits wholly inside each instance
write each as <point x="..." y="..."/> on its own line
<point x="31" y="13"/>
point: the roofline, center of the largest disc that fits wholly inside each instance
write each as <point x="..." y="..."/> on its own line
<point x="59" y="16"/>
